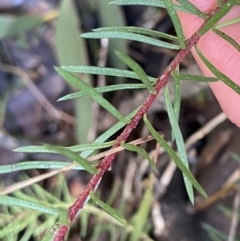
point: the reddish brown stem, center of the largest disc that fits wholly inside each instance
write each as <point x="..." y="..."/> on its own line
<point x="107" y="161"/>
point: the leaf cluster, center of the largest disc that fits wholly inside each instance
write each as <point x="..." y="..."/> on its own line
<point x="84" y="88"/>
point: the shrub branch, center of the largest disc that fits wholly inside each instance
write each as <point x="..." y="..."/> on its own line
<point x="108" y="160"/>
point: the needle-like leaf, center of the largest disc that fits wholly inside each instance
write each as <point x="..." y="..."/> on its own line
<point x="174" y="156"/>
<point x="179" y="141"/>
<point x="137" y="69"/>
<point x="89" y="90"/>
<point x="217" y="73"/>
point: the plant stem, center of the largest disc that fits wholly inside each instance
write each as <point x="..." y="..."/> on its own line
<point x="108" y="160"/>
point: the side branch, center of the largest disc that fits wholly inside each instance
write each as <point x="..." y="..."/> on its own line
<point x="108" y="160"/>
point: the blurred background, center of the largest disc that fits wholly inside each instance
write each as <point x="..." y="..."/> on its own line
<point x="36" y="36"/>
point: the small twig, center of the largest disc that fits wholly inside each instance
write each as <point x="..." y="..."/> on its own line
<point x="25" y="76"/>
<point x="215" y="197"/>
<point x="234" y="221"/>
<point x="158" y="221"/>
<point x="205" y="129"/>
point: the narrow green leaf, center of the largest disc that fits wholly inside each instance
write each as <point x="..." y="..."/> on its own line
<point x="70" y="49"/>
<point x="176" y="22"/>
<point x="78" y="83"/>
<point x="232" y="41"/>
<point x="212" y="230"/>
<point x="18" y="223"/>
<point x="104" y="71"/>
<point x="108" y="209"/>
<point x="76" y="148"/>
<point x="14" y="25"/>
<point x="192" y="8"/>
<point x="141" y="218"/>
<point x="130" y="36"/>
<point x="137" y="69"/>
<point x="73" y="156"/>
<point x="235" y="156"/>
<point x="179" y="142"/>
<point x="141" y="152"/>
<point x="12" y="201"/>
<point x="217" y="73"/>
<point x="35" y="165"/>
<point x="28" y="232"/>
<point x="177" y="93"/>
<point x="227" y="211"/>
<point x="104" y="89"/>
<point x="198" y="78"/>
<point x="227" y="23"/>
<point x="217" y="16"/>
<point x="174" y="156"/>
<point x="137" y="30"/>
<point x="111" y="131"/>
<point x="153" y="3"/>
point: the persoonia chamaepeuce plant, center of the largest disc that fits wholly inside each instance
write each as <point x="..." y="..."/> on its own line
<point x="154" y="86"/>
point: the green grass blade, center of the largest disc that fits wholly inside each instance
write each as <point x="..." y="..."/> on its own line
<point x="176" y="22"/>
<point x="80" y="84"/>
<point x="212" y="230"/>
<point x="104" y="71"/>
<point x="35" y="165"/>
<point x="12" y="201"/>
<point x="73" y="156"/>
<point x="179" y="142"/>
<point x="137" y="30"/>
<point x="18" y="223"/>
<point x="137" y="69"/>
<point x="174" y="157"/>
<point x="153" y="3"/>
<point x="108" y="209"/>
<point x="232" y="41"/>
<point x="76" y="148"/>
<point x="217" y="73"/>
<point x="104" y="89"/>
<point x="139" y="221"/>
<point x="130" y="36"/>
<point x="70" y="49"/>
<point x="216" y="17"/>
<point x="192" y="8"/>
<point x="198" y="78"/>
<point x="141" y="152"/>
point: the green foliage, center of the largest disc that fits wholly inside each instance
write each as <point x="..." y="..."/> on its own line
<point x="217" y="73"/>
<point x="108" y="209"/>
<point x="174" y="157"/>
<point x="179" y="141"/>
<point x="137" y="69"/>
<point x="68" y="48"/>
<point x="222" y="12"/>
<point x="103" y="33"/>
<point x="141" y="152"/>
<point x="90" y="91"/>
